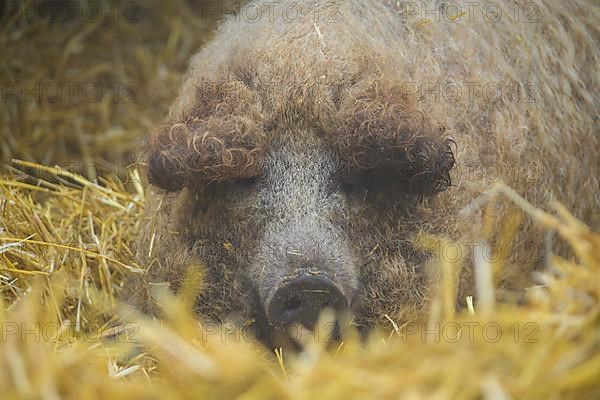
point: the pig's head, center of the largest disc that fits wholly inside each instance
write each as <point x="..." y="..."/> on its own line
<point x="291" y="213"/>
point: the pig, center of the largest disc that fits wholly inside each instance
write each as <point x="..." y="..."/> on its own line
<point x="312" y="142"/>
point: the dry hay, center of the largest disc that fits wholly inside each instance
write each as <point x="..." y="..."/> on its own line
<point x="65" y="252"/>
<point x="83" y="82"/>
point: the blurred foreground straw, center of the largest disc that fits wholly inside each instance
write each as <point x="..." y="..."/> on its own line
<point x="66" y="250"/>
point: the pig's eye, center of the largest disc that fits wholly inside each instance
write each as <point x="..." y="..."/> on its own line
<point x="376" y="182"/>
<point x="359" y="184"/>
<point x="247" y="182"/>
<point x="351" y="184"/>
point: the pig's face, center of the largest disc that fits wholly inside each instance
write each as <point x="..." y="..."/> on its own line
<point x="303" y="260"/>
<point x="300" y="217"/>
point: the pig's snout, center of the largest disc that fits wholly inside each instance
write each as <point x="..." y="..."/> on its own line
<point x="302" y="299"/>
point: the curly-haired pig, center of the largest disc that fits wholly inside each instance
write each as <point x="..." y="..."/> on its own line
<point x="313" y="141"/>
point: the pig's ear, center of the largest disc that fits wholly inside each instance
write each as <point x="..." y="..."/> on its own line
<point x="380" y="129"/>
<point x="165" y="170"/>
<point x="221" y="137"/>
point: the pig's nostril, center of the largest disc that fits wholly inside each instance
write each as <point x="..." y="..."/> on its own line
<point x="293" y="304"/>
<point x="302" y="300"/>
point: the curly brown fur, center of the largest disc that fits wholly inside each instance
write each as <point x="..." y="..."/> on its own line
<point x="381" y="130"/>
<point x="218" y="139"/>
<point x="345" y="156"/>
